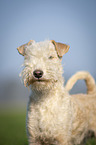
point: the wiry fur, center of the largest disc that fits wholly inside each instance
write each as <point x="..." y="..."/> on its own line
<point x="82" y="75"/>
<point x="54" y="117"/>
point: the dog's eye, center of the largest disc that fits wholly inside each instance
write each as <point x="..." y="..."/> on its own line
<point x="51" y="57"/>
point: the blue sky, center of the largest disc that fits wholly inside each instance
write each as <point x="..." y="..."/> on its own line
<point x="67" y="21"/>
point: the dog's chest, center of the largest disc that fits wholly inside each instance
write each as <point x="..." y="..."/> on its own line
<point x="47" y="118"/>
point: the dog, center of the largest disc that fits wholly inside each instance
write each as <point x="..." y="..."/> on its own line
<point x="54" y="117"/>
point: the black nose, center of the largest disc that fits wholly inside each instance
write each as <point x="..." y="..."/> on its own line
<point x="38" y="73"/>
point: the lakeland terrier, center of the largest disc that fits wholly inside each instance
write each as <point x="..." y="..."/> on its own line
<point x="54" y="117"/>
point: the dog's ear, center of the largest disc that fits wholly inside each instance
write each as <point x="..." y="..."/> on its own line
<point x="21" y="49"/>
<point x="60" y="48"/>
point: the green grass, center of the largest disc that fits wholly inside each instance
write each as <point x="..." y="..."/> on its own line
<point x="91" y="142"/>
<point x="13" y="129"/>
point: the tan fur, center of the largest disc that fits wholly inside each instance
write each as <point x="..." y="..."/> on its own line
<point x="60" y="48"/>
<point x="82" y="75"/>
<point x="54" y="117"/>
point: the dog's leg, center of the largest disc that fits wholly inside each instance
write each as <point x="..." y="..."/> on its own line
<point x="63" y="141"/>
<point x="33" y="141"/>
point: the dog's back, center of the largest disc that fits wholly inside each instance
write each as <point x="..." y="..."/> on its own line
<point x="86" y="104"/>
<point x="85" y="115"/>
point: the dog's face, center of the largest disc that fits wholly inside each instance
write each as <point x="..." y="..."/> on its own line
<point x="42" y="63"/>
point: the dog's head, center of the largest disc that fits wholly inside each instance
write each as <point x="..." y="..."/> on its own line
<point x="42" y="63"/>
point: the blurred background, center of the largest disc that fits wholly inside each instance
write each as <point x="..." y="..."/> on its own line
<point x="68" y="21"/>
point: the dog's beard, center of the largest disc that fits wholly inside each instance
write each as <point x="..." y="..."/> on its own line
<point x="41" y="84"/>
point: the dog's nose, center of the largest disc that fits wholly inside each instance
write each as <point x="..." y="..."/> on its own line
<point x="38" y="73"/>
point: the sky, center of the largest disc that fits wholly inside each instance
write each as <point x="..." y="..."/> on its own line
<point x="67" y="21"/>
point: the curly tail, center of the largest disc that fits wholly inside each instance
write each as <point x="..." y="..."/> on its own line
<point x="82" y="75"/>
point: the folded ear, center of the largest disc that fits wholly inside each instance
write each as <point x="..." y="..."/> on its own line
<point x="60" y="48"/>
<point x="21" y="49"/>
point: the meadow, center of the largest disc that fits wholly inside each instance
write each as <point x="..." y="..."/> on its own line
<point x="13" y="129"/>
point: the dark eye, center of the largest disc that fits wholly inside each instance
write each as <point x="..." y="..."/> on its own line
<point x="51" y="57"/>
